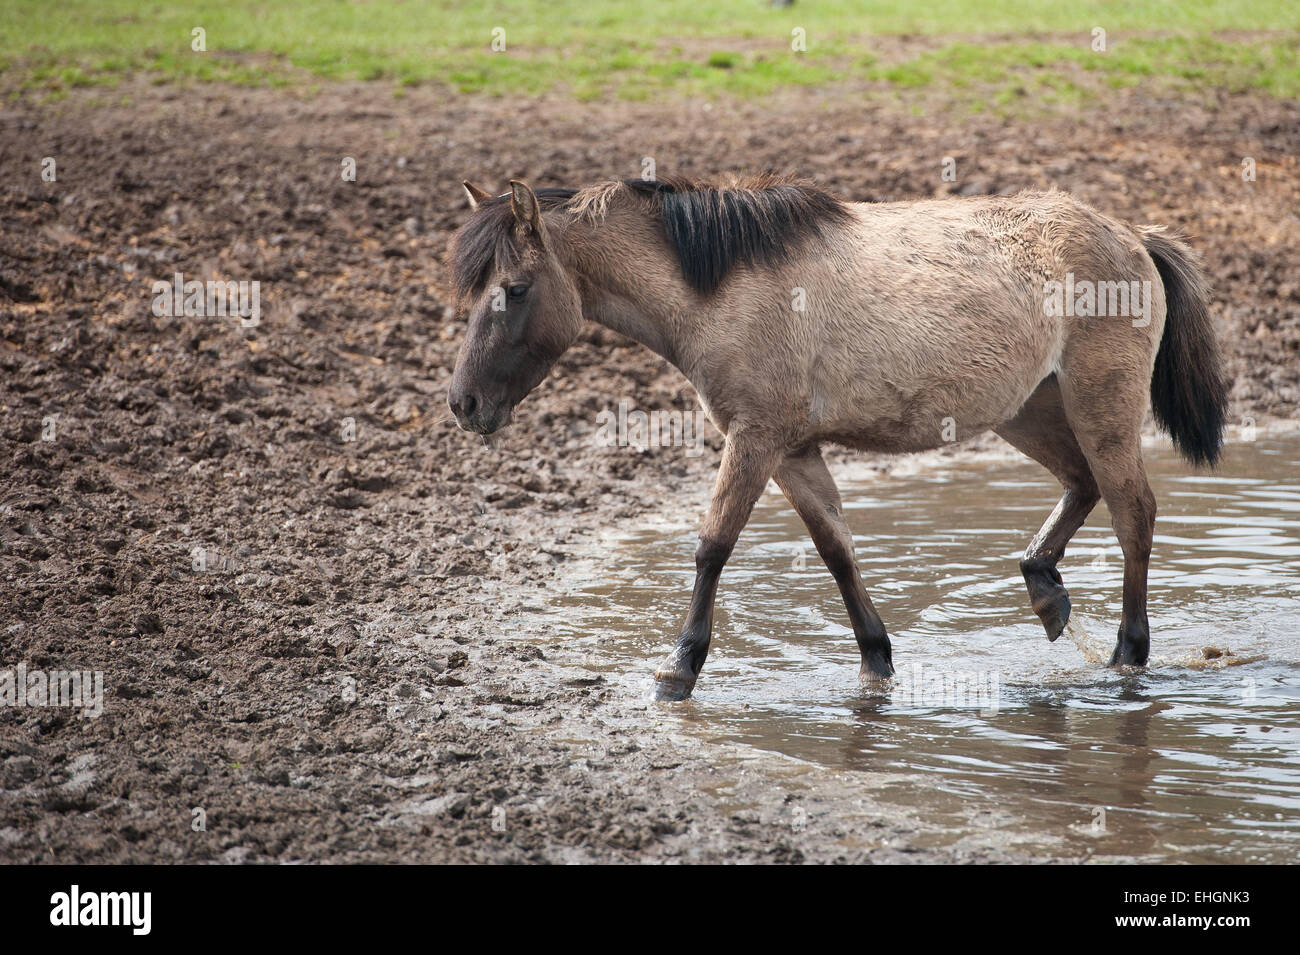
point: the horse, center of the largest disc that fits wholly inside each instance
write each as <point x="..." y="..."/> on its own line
<point x="802" y="319"/>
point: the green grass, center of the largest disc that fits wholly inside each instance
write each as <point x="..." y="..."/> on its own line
<point x="1022" y="68"/>
<point x="591" y="48"/>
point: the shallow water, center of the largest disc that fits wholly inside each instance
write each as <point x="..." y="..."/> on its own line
<point x="1194" y="759"/>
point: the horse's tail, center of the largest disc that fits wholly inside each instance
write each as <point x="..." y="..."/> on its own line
<point x="1188" y="393"/>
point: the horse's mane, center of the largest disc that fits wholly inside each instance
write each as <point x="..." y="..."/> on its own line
<point x="759" y="220"/>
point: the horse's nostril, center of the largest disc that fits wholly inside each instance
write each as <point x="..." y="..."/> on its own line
<point x="462" y="406"/>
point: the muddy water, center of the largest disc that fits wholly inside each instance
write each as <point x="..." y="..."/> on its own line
<point x="990" y="733"/>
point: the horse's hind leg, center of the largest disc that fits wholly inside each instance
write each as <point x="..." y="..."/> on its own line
<point x="810" y="488"/>
<point x="1040" y="431"/>
<point x="1106" y="415"/>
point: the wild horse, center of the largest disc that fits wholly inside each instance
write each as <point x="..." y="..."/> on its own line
<point x="802" y="319"/>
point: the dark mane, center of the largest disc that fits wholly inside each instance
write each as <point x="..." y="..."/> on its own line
<point x="757" y="221"/>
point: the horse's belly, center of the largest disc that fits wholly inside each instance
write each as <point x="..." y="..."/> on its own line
<point x="912" y="405"/>
<point x="907" y="431"/>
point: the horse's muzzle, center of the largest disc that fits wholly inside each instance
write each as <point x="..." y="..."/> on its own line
<point x="476" y="415"/>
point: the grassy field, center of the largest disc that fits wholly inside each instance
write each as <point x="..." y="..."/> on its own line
<point x="1006" y="48"/>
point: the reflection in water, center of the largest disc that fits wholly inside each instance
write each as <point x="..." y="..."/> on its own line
<point x="1193" y="759"/>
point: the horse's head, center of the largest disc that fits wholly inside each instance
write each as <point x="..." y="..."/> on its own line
<point x="522" y="306"/>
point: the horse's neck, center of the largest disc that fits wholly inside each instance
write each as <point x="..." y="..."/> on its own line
<point x="631" y="284"/>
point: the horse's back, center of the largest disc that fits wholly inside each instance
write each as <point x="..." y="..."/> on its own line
<point x="932" y="319"/>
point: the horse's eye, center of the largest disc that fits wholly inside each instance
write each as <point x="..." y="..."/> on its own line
<point x="516" y="292"/>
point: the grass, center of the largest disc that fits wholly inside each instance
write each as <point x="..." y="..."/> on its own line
<point x="591" y="48"/>
<point x="1024" y="68"/>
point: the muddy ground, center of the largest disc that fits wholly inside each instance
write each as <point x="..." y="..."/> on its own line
<point x="306" y="632"/>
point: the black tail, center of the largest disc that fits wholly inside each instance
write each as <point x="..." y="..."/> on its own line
<point x="1188" y="393"/>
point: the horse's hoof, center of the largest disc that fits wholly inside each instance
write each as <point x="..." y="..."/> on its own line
<point x="1055" y="614"/>
<point x="671" y="687"/>
<point x="875" y="666"/>
<point x="1050" y="601"/>
<point x="1132" y="645"/>
<point x="1129" y="655"/>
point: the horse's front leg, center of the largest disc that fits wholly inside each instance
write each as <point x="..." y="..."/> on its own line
<point x="747" y="463"/>
<point x="808" y="485"/>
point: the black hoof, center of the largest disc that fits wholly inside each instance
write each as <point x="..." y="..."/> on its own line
<point x="671" y="687"/>
<point x="1133" y="645"/>
<point x="1130" y="655"/>
<point x="1055" y="613"/>
<point x="1049" y="599"/>
<point x="875" y="666"/>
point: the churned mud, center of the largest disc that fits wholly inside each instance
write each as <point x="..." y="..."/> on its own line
<point x="298" y="578"/>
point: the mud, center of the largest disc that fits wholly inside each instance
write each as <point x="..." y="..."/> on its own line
<point x="298" y="577"/>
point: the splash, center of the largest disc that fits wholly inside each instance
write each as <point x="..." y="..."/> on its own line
<point x="1093" y="651"/>
<point x="1206" y="658"/>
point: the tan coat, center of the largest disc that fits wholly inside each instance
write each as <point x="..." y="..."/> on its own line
<point x="886" y="327"/>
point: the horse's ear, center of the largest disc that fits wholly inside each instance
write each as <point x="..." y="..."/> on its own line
<point x="476" y="195"/>
<point x="527" y="210"/>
